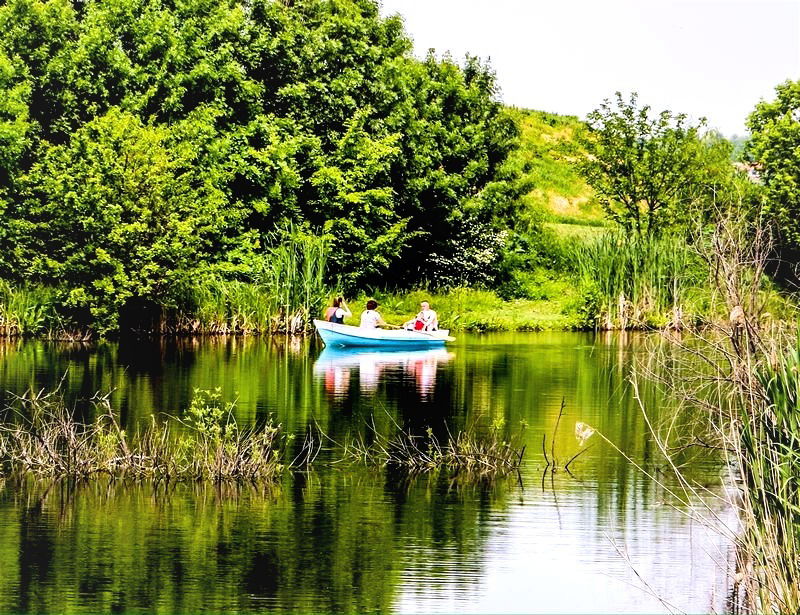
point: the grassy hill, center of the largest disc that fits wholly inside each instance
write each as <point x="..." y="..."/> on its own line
<point x="559" y="196"/>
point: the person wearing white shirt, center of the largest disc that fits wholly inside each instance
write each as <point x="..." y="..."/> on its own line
<point x="426" y="320"/>
<point x="370" y="318"/>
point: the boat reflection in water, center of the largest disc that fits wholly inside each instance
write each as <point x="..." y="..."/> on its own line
<point x="336" y="366"/>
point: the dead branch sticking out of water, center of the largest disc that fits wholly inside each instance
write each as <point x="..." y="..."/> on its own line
<point x="552" y="464"/>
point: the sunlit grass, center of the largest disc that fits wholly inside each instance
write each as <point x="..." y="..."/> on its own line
<point x="481" y="310"/>
<point x="27" y="309"/>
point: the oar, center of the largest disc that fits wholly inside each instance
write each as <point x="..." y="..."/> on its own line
<point x="447" y="338"/>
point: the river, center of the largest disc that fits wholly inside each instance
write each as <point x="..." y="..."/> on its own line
<point x="350" y="539"/>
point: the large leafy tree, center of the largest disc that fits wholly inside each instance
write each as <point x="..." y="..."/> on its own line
<point x="141" y="140"/>
<point x="136" y="212"/>
<point x="775" y="148"/>
<point x="651" y="171"/>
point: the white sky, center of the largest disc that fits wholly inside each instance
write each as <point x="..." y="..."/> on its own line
<point x="712" y="58"/>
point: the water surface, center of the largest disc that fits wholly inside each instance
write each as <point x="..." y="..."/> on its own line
<point x="607" y="539"/>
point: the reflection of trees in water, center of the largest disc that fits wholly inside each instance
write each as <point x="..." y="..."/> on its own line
<point x="344" y="540"/>
<point x="337" y="545"/>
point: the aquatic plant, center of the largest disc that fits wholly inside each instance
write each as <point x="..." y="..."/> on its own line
<point x="639" y="281"/>
<point x="471" y="453"/>
<point x="294" y="278"/>
<point x="27" y="310"/>
<point x="46" y="440"/>
<point x="285" y="288"/>
<point x="215" y="306"/>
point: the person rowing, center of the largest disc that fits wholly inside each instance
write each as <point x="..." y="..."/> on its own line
<point x="371" y="318"/>
<point x="338" y="311"/>
<point x="426" y="320"/>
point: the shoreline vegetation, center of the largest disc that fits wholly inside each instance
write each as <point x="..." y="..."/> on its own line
<point x="738" y="388"/>
<point x="609" y="283"/>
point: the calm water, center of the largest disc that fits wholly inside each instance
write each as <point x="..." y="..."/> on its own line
<point x="344" y="540"/>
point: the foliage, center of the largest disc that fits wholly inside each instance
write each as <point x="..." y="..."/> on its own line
<point x="121" y="212"/>
<point x="294" y="277"/>
<point x="652" y="172"/>
<point x="145" y="145"/>
<point x="639" y="281"/>
<point x="774" y="147"/>
<point x="48" y="441"/>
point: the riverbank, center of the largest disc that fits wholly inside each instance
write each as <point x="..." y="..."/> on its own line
<point x="556" y="302"/>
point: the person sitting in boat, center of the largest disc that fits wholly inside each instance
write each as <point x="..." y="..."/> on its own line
<point x="370" y="318"/>
<point x="338" y="311"/>
<point x="426" y="320"/>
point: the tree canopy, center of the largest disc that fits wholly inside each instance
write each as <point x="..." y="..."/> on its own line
<point x="652" y="171"/>
<point x="775" y="148"/>
<point x="146" y="142"/>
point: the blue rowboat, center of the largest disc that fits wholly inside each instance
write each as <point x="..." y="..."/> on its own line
<point x="334" y="334"/>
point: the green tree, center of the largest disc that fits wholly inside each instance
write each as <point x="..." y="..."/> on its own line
<point x="775" y="148"/>
<point x="142" y="141"/>
<point x="651" y="171"/>
<point x="134" y="215"/>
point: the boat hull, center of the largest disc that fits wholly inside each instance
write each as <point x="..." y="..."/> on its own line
<point x="334" y="334"/>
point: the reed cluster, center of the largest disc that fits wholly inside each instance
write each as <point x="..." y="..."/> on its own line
<point x="742" y="378"/>
<point x="27" y="310"/>
<point x="285" y="290"/>
<point x="767" y="451"/>
<point x="638" y="281"/>
<point x="471" y="453"/>
<point x="46" y="440"/>
<point x="215" y="306"/>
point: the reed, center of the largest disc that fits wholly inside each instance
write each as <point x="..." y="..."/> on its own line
<point x="294" y="279"/>
<point x="767" y="449"/>
<point x="638" y="281"/>
<point x="284" y="293"/>
<point x="471" y="453"/>
<point x="46" y="440"/>
<point x="215" y="306"/>
<point x="27" y="309"/>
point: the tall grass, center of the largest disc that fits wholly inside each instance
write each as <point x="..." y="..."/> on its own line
<point x="216" y="306"/>
<point x="768" y="452"/>
<point x="47" y="441"/>
<point x="286" y="291"/>
<point x="27" y="309"/>
<point x="294" y="278"/>
<point x="638" y="281"/>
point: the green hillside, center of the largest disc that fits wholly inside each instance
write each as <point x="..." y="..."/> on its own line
<point x="559" y="195"/>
